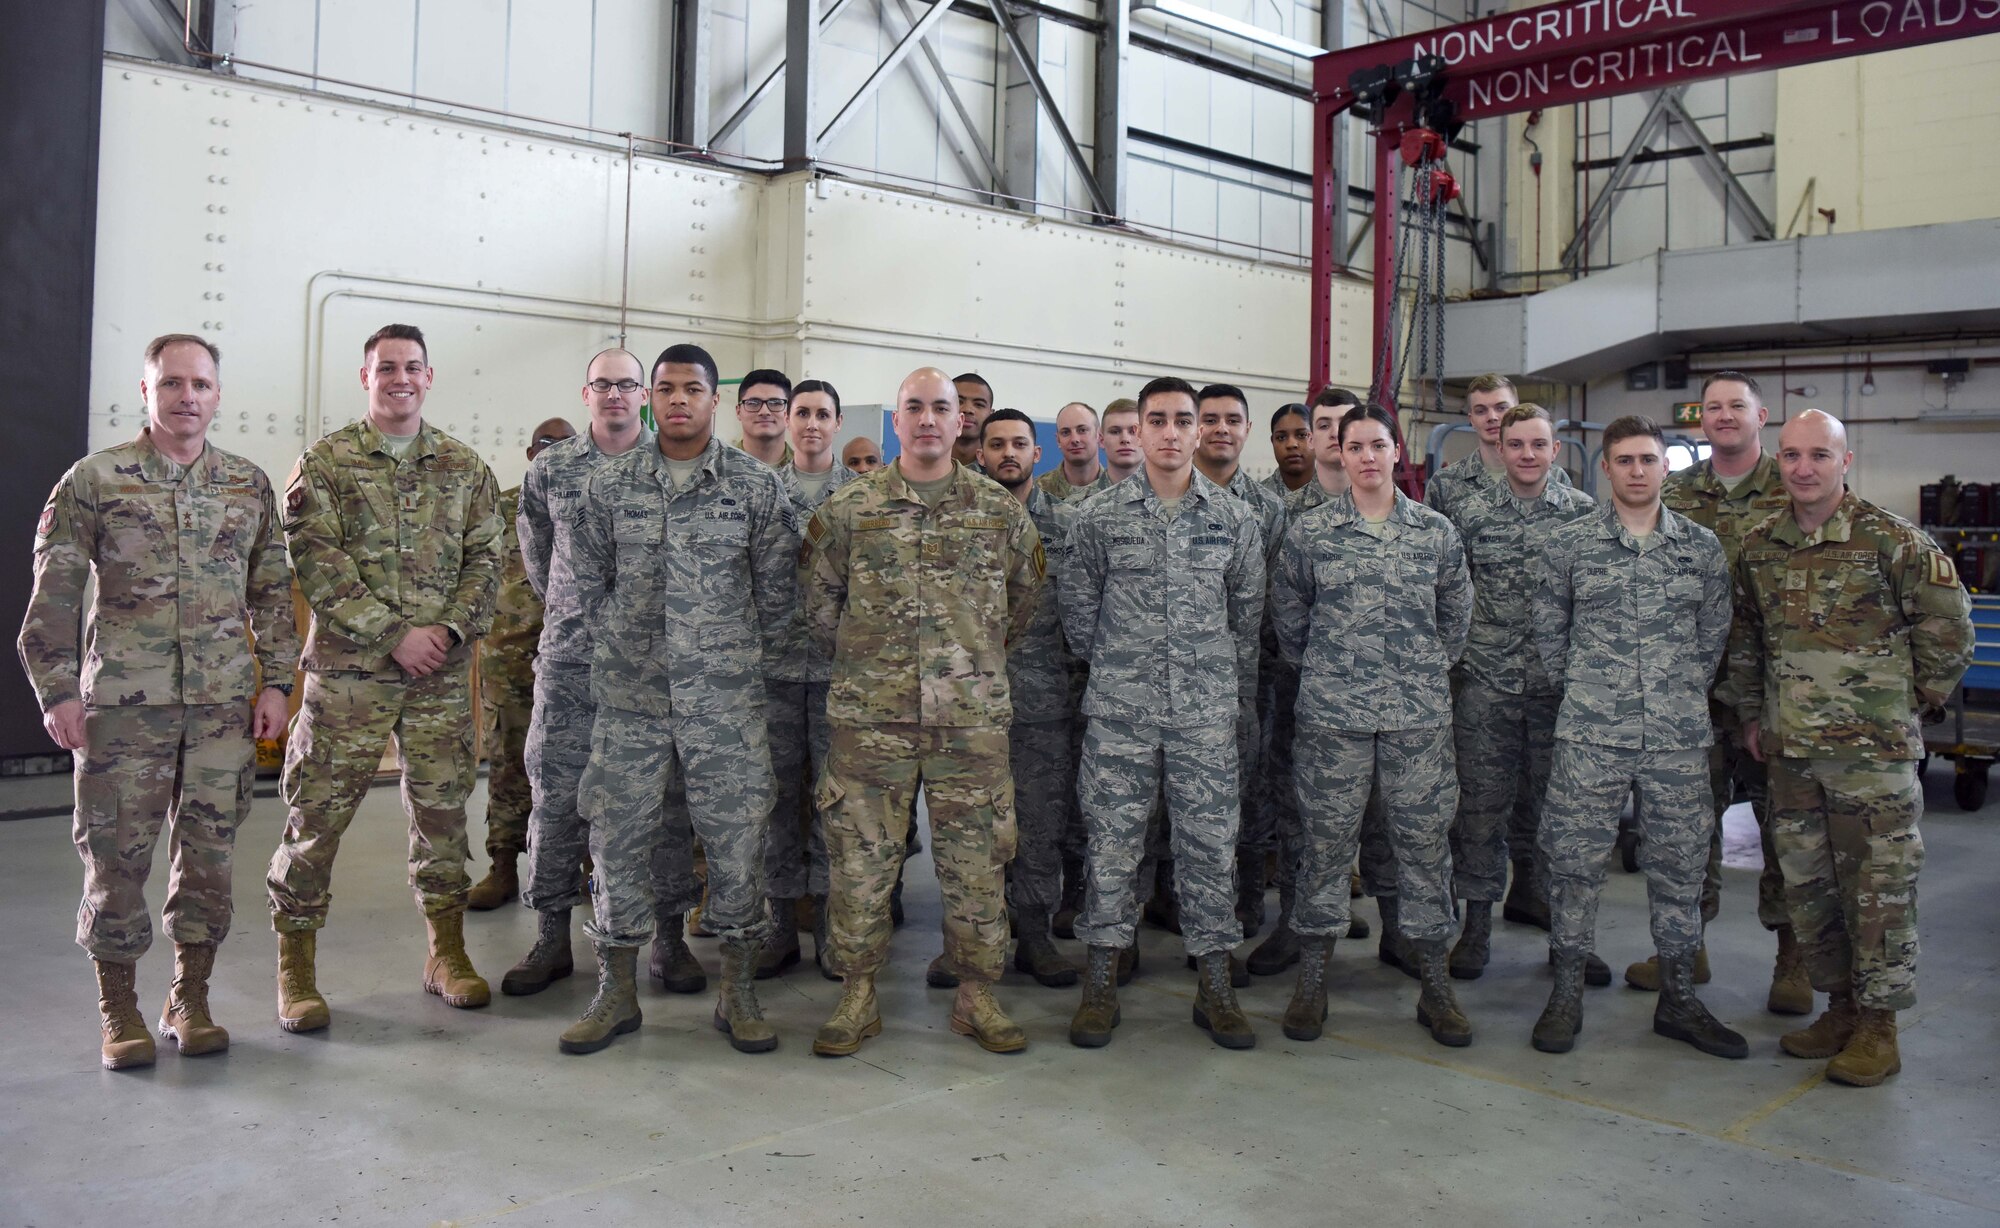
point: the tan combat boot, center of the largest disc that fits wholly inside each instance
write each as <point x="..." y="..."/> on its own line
<point x="184" y="1019"/>
<point x="1870" y="1056"/>
<point x="300" y="1006"/>
<point x="502" y="883"/>
<point x="1828" y="1034"/>
<point x="975" y="1013"/>
<point x="1791" y="990"/>
<point x="1646" y="973"/>
<point x="736" y="1009"/>
<point x="127" y="1043"/>
<point x="1037" y="955"/>
<point x="615" y="1009"/>
<point x="448" y="972"/>
<point x="853" y="1021"/>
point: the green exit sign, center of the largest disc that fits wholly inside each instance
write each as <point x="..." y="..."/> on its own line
<point x="1687" y="413"/>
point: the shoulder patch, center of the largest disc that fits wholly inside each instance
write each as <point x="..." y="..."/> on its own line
<point x="815" y="531"/>
<point x="295" y="498"/>
<point x="1041" y="561"/>
<point x="1941" y="571"/>
<point x="47" y="522"/>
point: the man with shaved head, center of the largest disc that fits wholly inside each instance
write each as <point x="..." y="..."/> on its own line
<point x="914" y="580"/>
<point x="1081" y="474"/>
<point x="1851" y="626"/>
<point x="507" y="693"/>
<point x="558" y="742"/>
<point x="863" y="455"/>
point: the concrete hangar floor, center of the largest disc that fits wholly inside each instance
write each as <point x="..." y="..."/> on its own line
<point x="409" y="1112"/>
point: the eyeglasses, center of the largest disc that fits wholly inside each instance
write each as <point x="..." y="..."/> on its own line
<point x="627" y="386"/>
<point x="767" y="403"/>
<point x="543" y="441"/>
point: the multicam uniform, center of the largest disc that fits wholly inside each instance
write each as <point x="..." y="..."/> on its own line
<point x="1503" y="701"/>
<point x="1841" y="636"/>
<point x="795" y="685"/>
<point x="192" y="615"/>
<point x="1039" y="739"/>
<point x="384" y="545"/>
<point x="915" y="604"/>
<point x="1058" y="486"/>
<point x="683" y="589"/>
<point x="1699" y="494"/>
<point x="1631" y="629"/>
<point x="558" y="744"/>
<point x="1373" y="615"/>
<point x="1165" y="604"/>
<point x="507" y="691"/>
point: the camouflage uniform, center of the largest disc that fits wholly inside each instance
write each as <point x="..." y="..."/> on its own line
<point x="1632" y="632"/>
<point x="1257" y="833"/>
<point x="1166" y="609"/>
<point x="558" y="745"/>
<point x="507" y="687"/>
<point x="1841" y="636"/>
<point x="1503" y="702"/>
<point x="192" y="615"/>
<point x="1040" y="738"/>
<point x="795" y="684"/>
<point x="1697" y="493"/>
<point x="1378" y="859"/>
<point x="1373" y="615"/>
<point x="915" y="605"/>
<point x="1058" y="487"/>
<point x="1451" y="486"/>
<point x="382" y="546"/>
<point x="683" y="590"/>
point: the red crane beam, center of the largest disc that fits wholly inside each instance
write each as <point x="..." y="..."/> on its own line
<point x="1574" y="51"/>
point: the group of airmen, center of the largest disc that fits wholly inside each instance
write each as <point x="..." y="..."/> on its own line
<point x="1144" y="684"/>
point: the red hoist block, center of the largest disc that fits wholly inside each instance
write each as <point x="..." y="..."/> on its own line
<point x="1423" y="147"/>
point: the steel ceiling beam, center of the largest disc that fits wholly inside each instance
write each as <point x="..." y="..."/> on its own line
<point x="1600" y="209"/>
<point x="1041" y="88"/>
<point x="756" y="95"/>
<point x="958" y="107"/>
<point x="1108" y="148"/>
<point x="1732" y="187"/>
<point x="889" y="64"/>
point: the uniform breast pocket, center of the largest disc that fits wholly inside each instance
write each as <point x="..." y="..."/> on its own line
<point x="636" y="539"/>
<point x="1345" y="584"/>
<point x="1684" y="588"/>
<point x="1129" y="558"/>
<point x="236" y="531"/>
<point x="1596" y="588"/>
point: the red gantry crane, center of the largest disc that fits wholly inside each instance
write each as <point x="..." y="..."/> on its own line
<point x="1416" y="92"/>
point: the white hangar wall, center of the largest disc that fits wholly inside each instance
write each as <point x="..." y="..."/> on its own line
<point x="288" y="224"/>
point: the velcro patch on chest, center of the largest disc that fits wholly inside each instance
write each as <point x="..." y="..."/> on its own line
<point x="982" y="522"/>
<point x="1212" y="539"/>
<point x="1847" y="556"/>
<point x="866" y="523"/>
<point x="1765" y="556"/>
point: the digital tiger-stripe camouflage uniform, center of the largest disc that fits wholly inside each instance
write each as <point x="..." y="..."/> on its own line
<point x="1257" y="831"/>
<point x="1456" y="490"/>
<point x="1166" y="607"/>
<point x="382" y="545"/>
<point x="1040" y="742"/>
<point x="1842" y="637"/>
<point x="1631" y="628"/>
<point x="685" y="590"/>
<point x="507" y="700"/>
<point x="1374" y="615"/>
<point x="915" y="605"/>
<point x="558" y="745"/>
<point x="795" y="687"/>
<point x="192" y="615"/>
<point x="1504" y="702"/>
<point x="1698" y="493"/>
